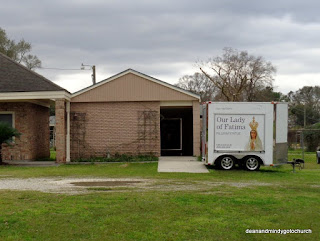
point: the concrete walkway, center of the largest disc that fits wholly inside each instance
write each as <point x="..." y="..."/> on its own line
<point x="187" y="164"/>
<point x="32" y="163"/>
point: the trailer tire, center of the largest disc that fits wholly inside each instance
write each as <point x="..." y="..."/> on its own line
<point x="226" y="162"/>
<point x="251" y="163"/>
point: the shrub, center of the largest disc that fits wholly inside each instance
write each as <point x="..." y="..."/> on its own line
<point x="121" y="158"/>
<point x="6" y="133"/>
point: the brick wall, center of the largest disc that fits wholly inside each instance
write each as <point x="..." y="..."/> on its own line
<point x="196" y="128"/>
<point x="60" y="131"/>
<point x="114" y="127"/>
<point x="32" y="121"/>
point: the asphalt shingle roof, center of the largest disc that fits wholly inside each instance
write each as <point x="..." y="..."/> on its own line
<point x="14" y="77"/>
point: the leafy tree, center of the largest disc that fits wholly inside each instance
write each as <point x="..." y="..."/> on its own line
<point x="312" y="137"/>
<point x="304" y="108"/>
<point x="199" y="84"/>
<point x="268" y="94"/>
<point x="18" y="51"/>
<point x="6" y="133"/>
<point x="237" y="75"/>
<point x="305" y="100"/>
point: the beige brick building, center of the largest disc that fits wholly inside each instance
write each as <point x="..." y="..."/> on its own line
<point x="129" y="113"/>
<point x="133" y="113"/>
<point x="34" y="140"/>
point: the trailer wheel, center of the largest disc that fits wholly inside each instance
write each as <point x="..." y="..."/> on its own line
<point x="226" y="162"/>
<point x="252" y="163"/>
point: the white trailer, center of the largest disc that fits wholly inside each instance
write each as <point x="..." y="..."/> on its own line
<point x="248" y="134"/>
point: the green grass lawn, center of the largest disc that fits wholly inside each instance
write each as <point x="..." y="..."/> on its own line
<point x="224" y="212"/>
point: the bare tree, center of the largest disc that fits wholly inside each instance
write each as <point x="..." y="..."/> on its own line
<point x="237" y="75"/>
<point x="18" y="51"/>
<point x="199" y="84"/>
<point x="31" y="61"/>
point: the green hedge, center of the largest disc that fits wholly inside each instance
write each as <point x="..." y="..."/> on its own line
<point x="120" y="158"/>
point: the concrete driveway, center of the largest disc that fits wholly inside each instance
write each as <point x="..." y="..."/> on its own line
<point x="32" y="163"/>
<point x="187" y="164"/>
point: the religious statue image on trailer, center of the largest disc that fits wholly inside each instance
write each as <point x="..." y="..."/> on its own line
<point x="254" y="143"/>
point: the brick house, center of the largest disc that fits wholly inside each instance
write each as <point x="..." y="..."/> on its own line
<point x="134" y="113"/>
<point x="128" y="113"/>
<point x="25" y="98"/>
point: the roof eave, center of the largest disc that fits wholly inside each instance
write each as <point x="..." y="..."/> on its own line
<point x="140" y="75"/>
<point x="36" y="95"/>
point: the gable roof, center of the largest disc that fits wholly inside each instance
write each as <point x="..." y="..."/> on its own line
<point x="141" y="75"/>
<point x="15" y="77"/>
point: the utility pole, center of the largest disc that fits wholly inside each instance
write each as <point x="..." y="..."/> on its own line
<point x="304" y="116"/>
<point x="93" y="67"/>
<point x="304" y="127"/>
<point x="94" y="74"/>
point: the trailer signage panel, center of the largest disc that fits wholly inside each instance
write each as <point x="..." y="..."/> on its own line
<point x="239" y="132"/>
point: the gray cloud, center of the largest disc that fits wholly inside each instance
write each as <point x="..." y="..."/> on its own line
<point x="165" y="38"/>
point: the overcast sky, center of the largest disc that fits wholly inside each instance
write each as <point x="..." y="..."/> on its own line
<point x="165" y="38"/>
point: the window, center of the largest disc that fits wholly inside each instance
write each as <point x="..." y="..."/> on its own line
<point x="7" y="118"/>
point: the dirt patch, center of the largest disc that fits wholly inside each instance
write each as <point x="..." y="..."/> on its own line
<point x="316" y="186"/>
<point x="73" y="186"/>
<point x="104" y="184"/>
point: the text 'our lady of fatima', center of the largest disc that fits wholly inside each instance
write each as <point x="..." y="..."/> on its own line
<point x="231" y="123"/>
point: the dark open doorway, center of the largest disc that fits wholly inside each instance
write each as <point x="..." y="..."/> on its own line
<point x="176" y="126"/>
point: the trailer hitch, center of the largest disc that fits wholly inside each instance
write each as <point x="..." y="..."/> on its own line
<point x="297" y="162"/>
